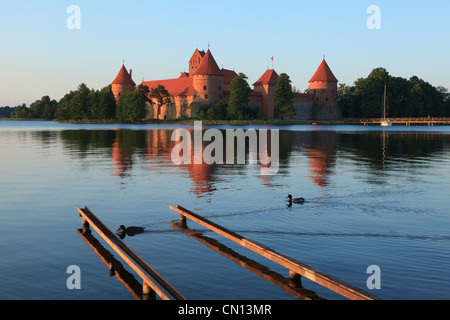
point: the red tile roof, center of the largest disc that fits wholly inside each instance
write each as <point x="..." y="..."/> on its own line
<point x="182" y="86"/>
<point x="269" y="77"/>
<point x="208" y="65"/>
<point x="323" y="73"/>
<point x="228" y="75"/>
<point x="123" y="77"/>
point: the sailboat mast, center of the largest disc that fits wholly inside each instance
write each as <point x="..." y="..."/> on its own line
<point x="384" y="103"/>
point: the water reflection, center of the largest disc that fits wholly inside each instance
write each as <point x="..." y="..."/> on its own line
<point x="152" y="149"/>
<point x="288" y="285"/>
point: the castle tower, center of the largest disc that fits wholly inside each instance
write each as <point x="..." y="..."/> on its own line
<point x="208" y="80"/>
<point x="266" y="87"/>
<point x="195" y="61"/>
<point x="323" y="87"/>
<point x="122" y="83"/>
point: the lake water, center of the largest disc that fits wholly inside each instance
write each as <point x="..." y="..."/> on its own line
<point x="374" y="196"/>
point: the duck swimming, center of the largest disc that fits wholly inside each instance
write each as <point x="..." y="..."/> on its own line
<point x="295" y="200"/>
<point x="131" y="231"/>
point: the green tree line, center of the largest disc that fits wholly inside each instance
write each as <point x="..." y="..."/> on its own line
<point x="44" y="108"/>
<point x="412" y="97"/>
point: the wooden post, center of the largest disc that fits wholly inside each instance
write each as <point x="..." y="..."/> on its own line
<point x="183" y="221"/>
<point x="86" y="228"/>
<point x="295" y="280"/>
<point x="147" y="292"/>
<point x="112" y="271"/>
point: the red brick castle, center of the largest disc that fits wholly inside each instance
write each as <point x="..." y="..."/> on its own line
<point x="206" y="83"/>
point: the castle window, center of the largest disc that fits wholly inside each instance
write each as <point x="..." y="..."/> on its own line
<point x="120" y="94"/>
<point x="206" y="96"/>
<point x="195" y="96"/>
<point x="205" y="87"/>
<point x="326" y="100"/>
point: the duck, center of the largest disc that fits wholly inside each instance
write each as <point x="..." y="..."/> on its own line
<point x="130" y="230"/>
<point x="295" y="200"/>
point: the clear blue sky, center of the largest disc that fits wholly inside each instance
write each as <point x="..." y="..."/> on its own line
<point x="40" y="56"/>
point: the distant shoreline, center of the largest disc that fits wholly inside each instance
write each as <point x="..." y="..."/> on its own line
<point x="277" y="122"/>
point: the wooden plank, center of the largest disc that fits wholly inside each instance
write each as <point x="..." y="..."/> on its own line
<point x="327" y="281"/>
<point x="121" y="274"/>
<point x="147" y="273"/>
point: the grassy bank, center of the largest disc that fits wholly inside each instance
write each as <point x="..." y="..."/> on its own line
<point x="274" y="122"/>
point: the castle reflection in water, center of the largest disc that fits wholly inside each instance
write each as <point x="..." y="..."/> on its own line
<point x="318" y="150"/>
<point x="155" y="147"/>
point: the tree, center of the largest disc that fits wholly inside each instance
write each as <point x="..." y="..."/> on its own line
<point x="20" y="112"/>
<point x="45" y="108"/>
<point x="5" y="112"/>
<point x="103" y="104"/>
<point x="346" y="100"/>
<point x="239" y="97"/>
<point x="145" y="92"/>
<point x="412" y="97"/>
<point x="284" y="95"/>
<point x="161" y="95"/>
<point x="131" y="107"/>
<point x="63" y="111"/>
<point x="370" y="91"/>
<point x="216" y="111"/>
<point x="80" y="104"/>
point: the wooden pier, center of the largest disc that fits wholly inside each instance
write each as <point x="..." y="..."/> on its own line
<point x="152" y="281"/>
<point x="429" y="121"/>
<point x="296" y="268"/>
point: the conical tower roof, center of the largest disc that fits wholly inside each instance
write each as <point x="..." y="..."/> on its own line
<point x="123" y="77"/>
<point x="324" y="73"/>
<point x="208" y="66"/>
<point x="269" y="77"/>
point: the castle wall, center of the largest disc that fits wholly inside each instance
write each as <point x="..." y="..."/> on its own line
<point x="326" y="112"/>
<point x="208" y="88"/>
<point x="303" y="110"/>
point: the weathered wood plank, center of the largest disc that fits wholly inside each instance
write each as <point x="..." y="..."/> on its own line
<point x="147" y="273"/>
<point x="327" y="281"/>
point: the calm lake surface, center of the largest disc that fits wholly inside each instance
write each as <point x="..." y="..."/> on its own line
<point x="374" y="196"/>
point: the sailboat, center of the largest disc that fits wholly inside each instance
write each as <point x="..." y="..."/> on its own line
<point x="385" y="122"/>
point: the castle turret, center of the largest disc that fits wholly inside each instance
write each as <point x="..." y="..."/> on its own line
<point x="122" y="83"/>
<point x="266" y="87"/>
<point x="208" y="80"/>
<point x="323" y="87"/>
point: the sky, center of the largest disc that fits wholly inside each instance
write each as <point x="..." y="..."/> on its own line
<point x="41" y="54"/>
